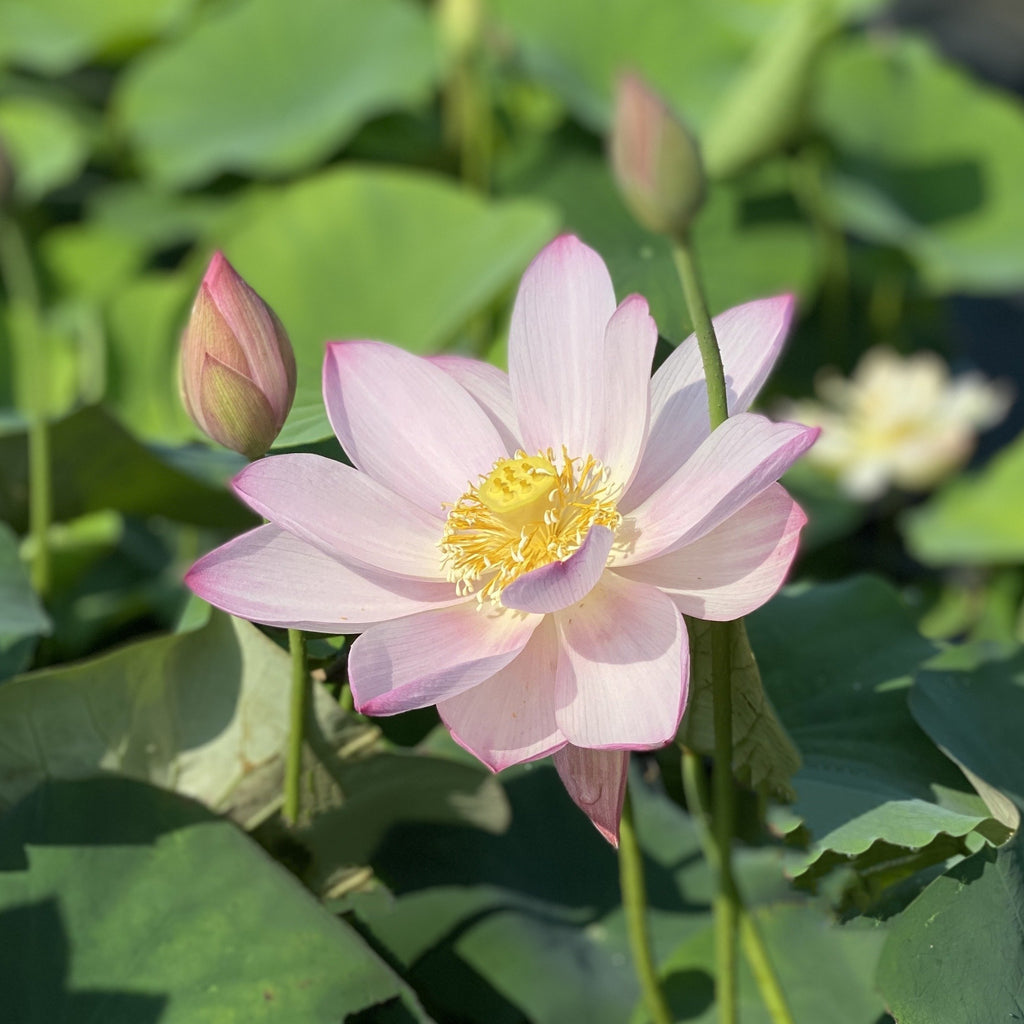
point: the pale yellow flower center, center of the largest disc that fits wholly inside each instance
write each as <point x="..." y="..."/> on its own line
<point x="528" y="511"/>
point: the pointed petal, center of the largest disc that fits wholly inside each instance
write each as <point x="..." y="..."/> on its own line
<point x="736" y="567"/>
<point x="406" y="423"/>
<point x="750" y="338"/>
<point x="234" y="412"/>
<point x="623" y="667"/>
<point x="596" y="781"/>
<point x="490" y="387"/>
<point x="560" y="584"/>
<point x="269" y="576"/>
<point x="738" y="461"/>
<point x="630" y="339"/>
<point x="510" y="718"/>
<point x="417" y="661"/>
<point x="258" y="345"/>
<point x="344" y="513"/>
<point x="556" y="340"/>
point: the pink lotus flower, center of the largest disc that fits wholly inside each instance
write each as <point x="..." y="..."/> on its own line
<point x="520" y="549"/>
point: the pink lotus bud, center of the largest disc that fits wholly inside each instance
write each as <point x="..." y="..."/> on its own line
<point x="655" y="160"/>
<point x="237" y="364"/>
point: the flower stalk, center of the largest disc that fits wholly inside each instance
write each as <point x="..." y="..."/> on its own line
<point x="727" y="902"/>
<point x="695" y="788"/>
<point x="299" y="709"/>
<point x="466" y="107"/>
<point x="764" y="974"/>
<point x="29" y="341"/>
<point x="696" y="303"/>
<point x="634" y="899"/>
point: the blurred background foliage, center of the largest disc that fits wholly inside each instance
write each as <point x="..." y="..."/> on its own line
<point x="387" y="169"/>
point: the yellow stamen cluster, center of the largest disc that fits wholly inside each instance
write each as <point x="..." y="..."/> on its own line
<point x="525" y="513"/>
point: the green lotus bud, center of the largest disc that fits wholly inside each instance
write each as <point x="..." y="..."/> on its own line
<point x="655" y="159"/>
<point x="237" y="364"/>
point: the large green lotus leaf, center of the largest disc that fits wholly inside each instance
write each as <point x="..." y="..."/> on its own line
<point x="825" y="970"/>
<point x="393" y="255"/>
<point x="690" y="52"/>
<point x="360" y="799"/>
<point x="930" y="161"/>
<point x="765" y="108"/>
<point x="837" y="661"/>
<point x="153" y="218"/>
<point x="976" y="519"/>
<point x="198" y="713"/>
<point x="127" y="904"/>
<point x="528" y="923"/>
<point x="55" y="36"/>
<point x="270" y="88"/>
<point x="748" y="245"/>
<point x="90" y="261"/>
<point x="22" y="617"/>
<point x="145" y="318"/>
<point x="956" y="954"/>
<point x="46" y="143"/>
<point x="975" y="716"/>
<point x="21" y="614"/>
<point x="502" y="927"/>
<point x="96" y="464"/>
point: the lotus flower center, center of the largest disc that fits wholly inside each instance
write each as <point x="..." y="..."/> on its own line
<point x="528" y="511"/>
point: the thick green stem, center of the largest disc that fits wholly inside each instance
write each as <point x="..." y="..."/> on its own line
<point x="634" y="901"/>
<point x="693" y="292"/>
<point x="24" y="321"/>
<point x="695" y="788"/>
<point x="299" y="705"/>
<point x="726" y="902"/>
<point x="40" y="508"/>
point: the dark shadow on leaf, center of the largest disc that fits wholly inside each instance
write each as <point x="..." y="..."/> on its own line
<point x="34" y="975"/>
<point x="454" y="992"/>
<point x="929" y="194"/>
<point x="689" y="993"/>
<point x="394" y="1011"/>
<point x="550" y="852"/>
<point x="65" y="814"/>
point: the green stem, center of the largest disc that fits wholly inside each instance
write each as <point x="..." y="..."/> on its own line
<point x="28" y="340"/>
<point x="299" y="704"/>
<point x="40" y="508"/>
<point x="634" y="900"/>
<point x="476" y="128"/>
<point x="764" y="974"/>
<point x="466" y="117"/>
<point x="726" y="902"/>
<point x="693" y="291"/>
<point x="695" y="788"/>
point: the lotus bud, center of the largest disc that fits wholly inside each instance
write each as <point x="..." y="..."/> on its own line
<point x="655" y="159"/>
<point x="237" y="364"/>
